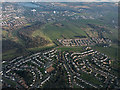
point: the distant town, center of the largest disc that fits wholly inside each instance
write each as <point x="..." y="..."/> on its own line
<point x="43" y="67"/>
<point x="81" y="42"/>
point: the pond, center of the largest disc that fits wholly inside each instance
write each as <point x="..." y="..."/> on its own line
<point x="28" y="4"/>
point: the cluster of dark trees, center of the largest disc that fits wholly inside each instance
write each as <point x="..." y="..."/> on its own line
<point x="28" y="40"/>
<point x="25" y="75"/>
<point x="80" y="36"/>
<point x="8" y="45"/>
<point x="60" y="80"/>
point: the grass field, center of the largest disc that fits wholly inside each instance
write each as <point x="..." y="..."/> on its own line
<point x="113" y="35"/>
<point x="90" y="78"/>
<point x="70" y="49"/>
<point x="111" y="51"/>
<point x="39" y="33"/>
<point x="35" y="49"/>
<point x="9" y="54"/>
<point x="68" y="30"/>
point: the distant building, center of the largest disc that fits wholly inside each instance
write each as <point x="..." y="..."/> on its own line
<point x="34" y="10"/>
<point x="50" y="69"/>
<point x="54" y="12"/>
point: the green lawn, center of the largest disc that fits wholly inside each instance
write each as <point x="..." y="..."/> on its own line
<point x="76" y="49"/>
<point x="90" y="78"/>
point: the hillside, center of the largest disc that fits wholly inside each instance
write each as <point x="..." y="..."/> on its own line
<point x="41" y="29"/>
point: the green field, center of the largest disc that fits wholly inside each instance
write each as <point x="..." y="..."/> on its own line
<point x="9" y="54"/>
<point x="111" y="51"/>
<point x="68" y="30"/>
<point x="90" y="78"/>
<point x="71" y="49"/>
